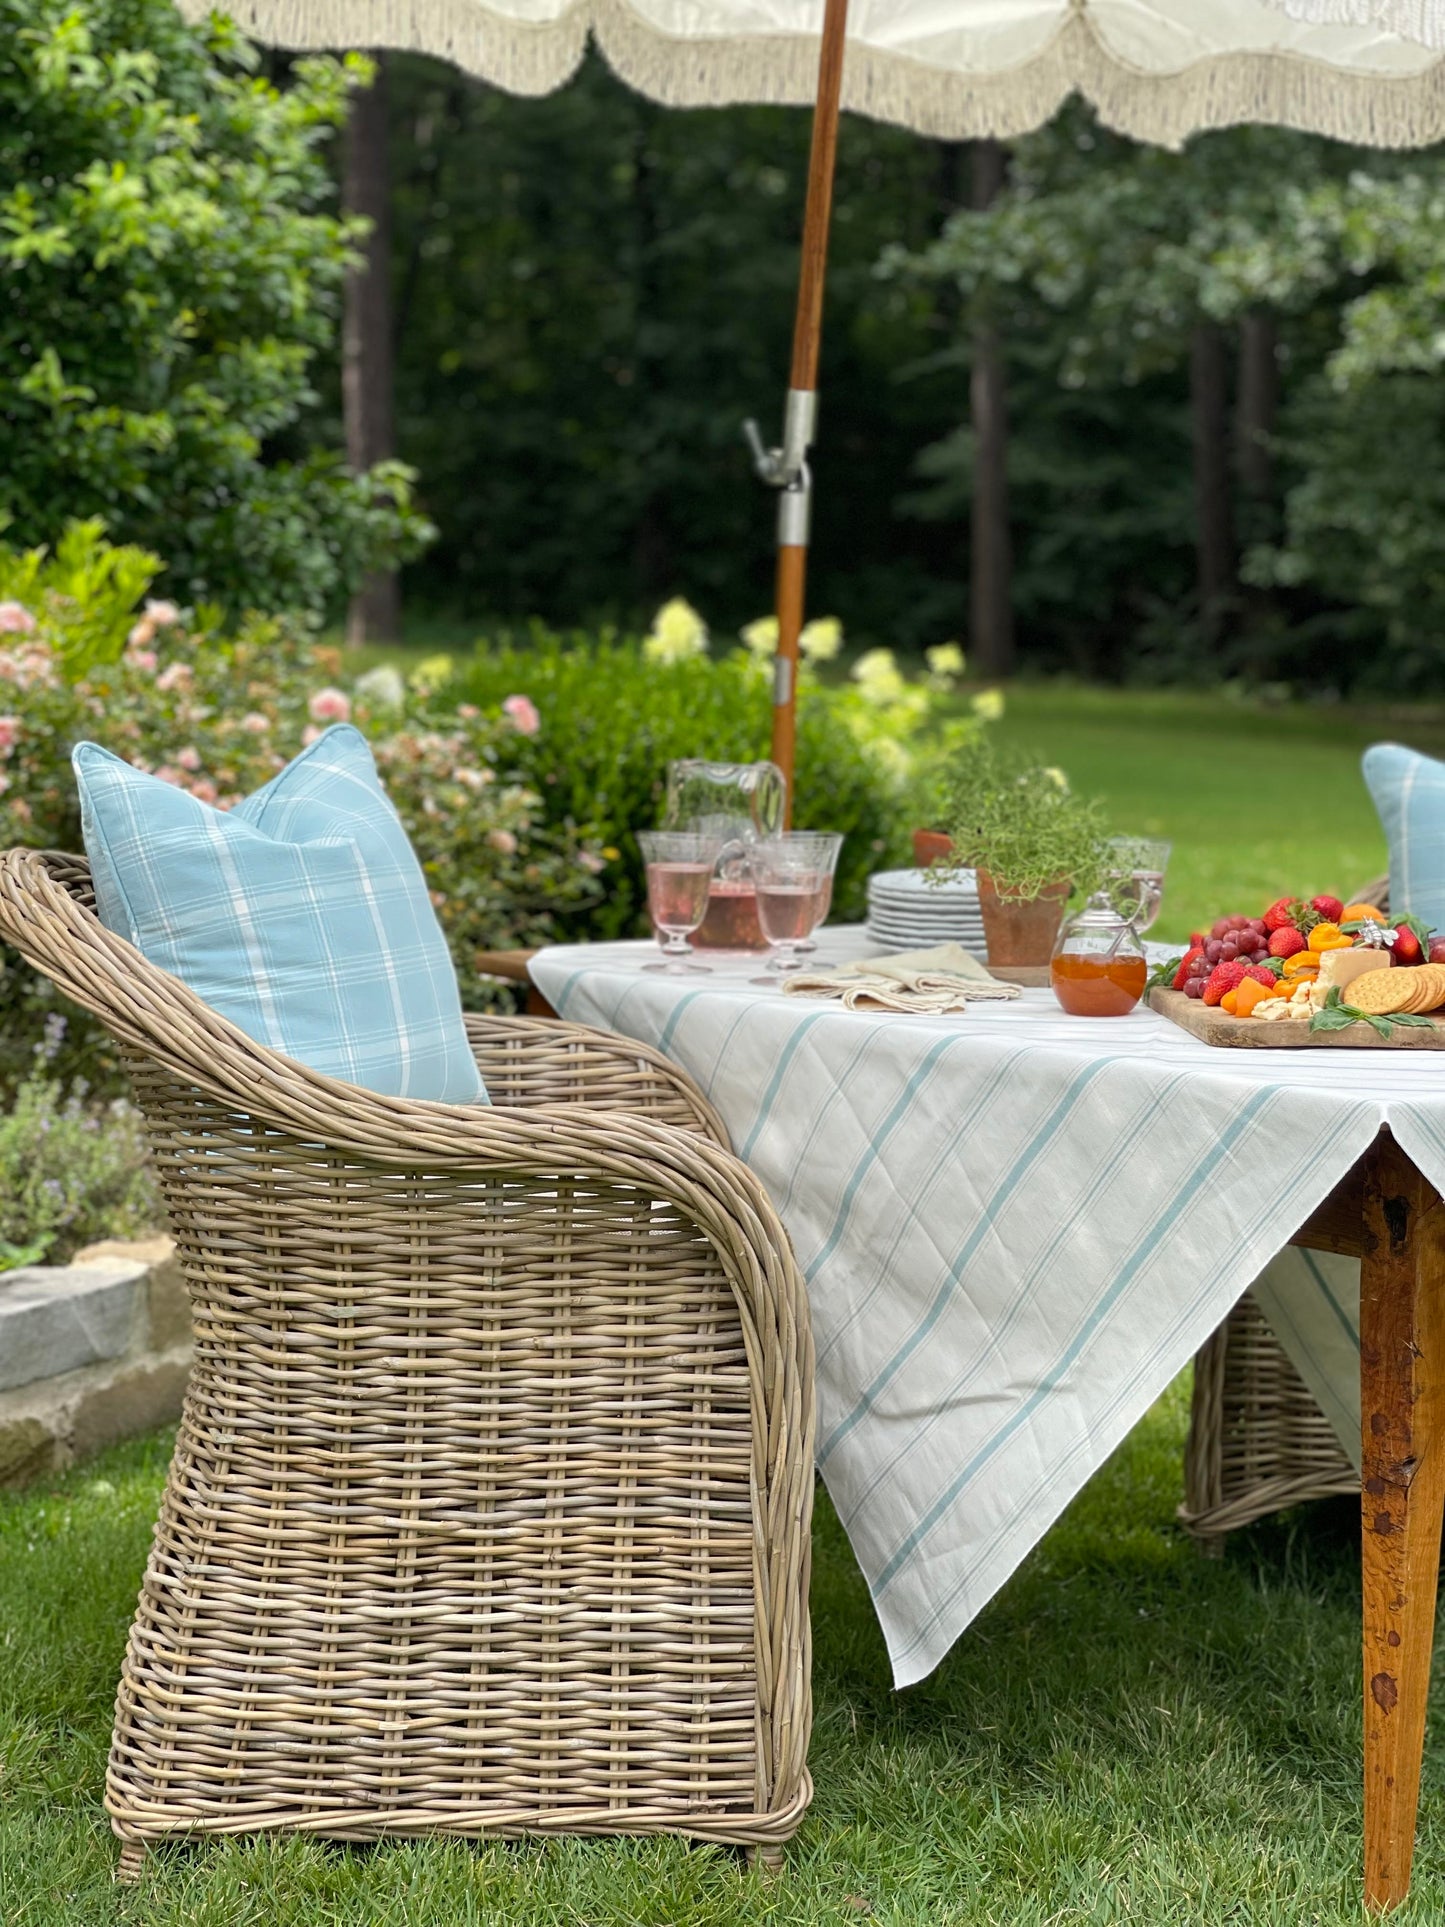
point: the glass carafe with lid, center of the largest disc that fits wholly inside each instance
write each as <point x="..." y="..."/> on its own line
<point x="1099" y="967"/>
<point x="738" y="803"/>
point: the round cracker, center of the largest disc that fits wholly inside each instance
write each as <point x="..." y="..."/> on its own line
<point x="1382" y="993"/>
<point x="1433" y="991"/>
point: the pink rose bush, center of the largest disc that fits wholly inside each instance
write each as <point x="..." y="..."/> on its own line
<point x="218" y="716"/>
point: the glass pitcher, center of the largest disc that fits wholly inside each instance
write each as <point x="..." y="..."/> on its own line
<point x="738" y="803"/>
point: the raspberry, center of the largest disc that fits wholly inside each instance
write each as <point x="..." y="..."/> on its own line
<point x="1286" y="942"/>
<point x="1280" y="913"/>
<point x="1224" y="976"/>
<point x="1186" y="964"/>
<point x="1330" y="908"/>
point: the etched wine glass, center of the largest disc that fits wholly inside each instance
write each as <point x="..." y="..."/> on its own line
<point x="1136" y="877"/>
<point x="791" y="872"/>
<point x="680" y="865"/>
<point x="834" y="842"/>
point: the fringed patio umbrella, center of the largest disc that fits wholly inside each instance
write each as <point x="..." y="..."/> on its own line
<point x="1159" y="70"/>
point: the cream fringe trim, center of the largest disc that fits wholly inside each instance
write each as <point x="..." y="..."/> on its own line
<point x="1282" y="90"/>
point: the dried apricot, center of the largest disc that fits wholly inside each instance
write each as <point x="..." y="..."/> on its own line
<point x="1250" y="993"/>
<point x="1362" y="913"/>
<point x="1329" y="936"/>
<point x="1229" y="1000"/>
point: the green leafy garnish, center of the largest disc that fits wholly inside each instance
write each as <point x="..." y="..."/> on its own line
<point x="1338" y="1015"/>
<point x="1162" y="976"/>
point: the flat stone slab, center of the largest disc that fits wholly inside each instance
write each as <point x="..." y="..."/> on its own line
<point x="56" y="1319"/>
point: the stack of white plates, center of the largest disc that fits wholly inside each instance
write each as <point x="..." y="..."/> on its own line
<point x="908" y="912"/>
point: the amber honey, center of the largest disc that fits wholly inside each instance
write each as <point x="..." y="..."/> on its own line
<point x="1098" y="986"/>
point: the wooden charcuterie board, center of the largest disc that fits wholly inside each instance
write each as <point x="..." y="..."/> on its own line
<point x="1252" y="1033"/>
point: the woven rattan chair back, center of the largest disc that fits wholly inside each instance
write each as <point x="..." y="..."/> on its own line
<point x="490" y="1505"/>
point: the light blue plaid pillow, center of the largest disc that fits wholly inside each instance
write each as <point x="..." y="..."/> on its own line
<point x="1409" y="793"/>
<point x="302" y="914"/>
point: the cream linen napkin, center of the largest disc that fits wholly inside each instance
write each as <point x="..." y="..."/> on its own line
<point x="926" y="982"/>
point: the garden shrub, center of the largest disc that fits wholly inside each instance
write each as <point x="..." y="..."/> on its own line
<point x="72" y="1170"/>
<point x="220" y="714"/>
<point x="173" y="271"/>
<point x="619" y="712"/>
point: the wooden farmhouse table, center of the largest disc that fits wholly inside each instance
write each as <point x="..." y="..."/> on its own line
<point x="1363" y="1193"/>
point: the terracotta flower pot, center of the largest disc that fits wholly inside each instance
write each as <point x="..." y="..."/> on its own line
<point x="1021" y="931"/>
<point x="929" y="846"/>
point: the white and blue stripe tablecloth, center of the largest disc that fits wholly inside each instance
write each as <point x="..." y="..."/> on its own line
<point x="1016" y="1228"/>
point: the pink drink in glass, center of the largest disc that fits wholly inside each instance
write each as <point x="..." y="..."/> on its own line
<point x="788" y="911"/>
<point x="731" y="922"/>
<point x="677" y="894"/>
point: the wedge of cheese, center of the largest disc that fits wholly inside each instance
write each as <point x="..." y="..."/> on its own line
<point x="1341" y="967"/>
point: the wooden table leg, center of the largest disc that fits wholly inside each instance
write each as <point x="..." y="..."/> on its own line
<point x="1402" y="1421"/>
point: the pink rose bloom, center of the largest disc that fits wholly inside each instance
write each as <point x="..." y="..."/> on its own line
<point x="255" y="722"/>
<point x="168" y="773"/>
<point x="174" y="677"/>
<point x="15" y="619"/>
<point x="9" y="733"/>
<point x="162" y="614"/>
<point x="142" y="635"/>
<point x="521" y="712"/>
<point x="503" y="840"/>
<point x="330" y="706"/>
<point x="468" y="712"/>
<point x="142" y="659"/>
<point x="189" y="758"/>
<point x="204" y="792"/>
<point x="309" y="735"/>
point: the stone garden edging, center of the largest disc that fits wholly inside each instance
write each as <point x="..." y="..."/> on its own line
<point x="90" y="1352"/>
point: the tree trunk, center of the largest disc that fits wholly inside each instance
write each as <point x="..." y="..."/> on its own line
<point x="991" y="578"/>
<point x="367" y="365"/>
<point x="1213" y="510"/>
<point x="1258" y="404"/>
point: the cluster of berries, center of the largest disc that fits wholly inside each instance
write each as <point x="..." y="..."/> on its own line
<point x="1217" y="962"/>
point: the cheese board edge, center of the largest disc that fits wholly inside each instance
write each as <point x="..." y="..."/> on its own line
<point x="1219" y="1029"/>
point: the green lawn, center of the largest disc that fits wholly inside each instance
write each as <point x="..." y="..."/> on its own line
<point x="1130" y="1733"/>
<point x="1259" y="801"/>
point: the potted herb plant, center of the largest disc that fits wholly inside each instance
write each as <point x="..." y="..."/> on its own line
<point x="1032" y="841"/>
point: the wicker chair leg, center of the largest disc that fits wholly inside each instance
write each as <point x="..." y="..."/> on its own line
<point x="131" y="1865"/>
<point x="766" y="1860"/>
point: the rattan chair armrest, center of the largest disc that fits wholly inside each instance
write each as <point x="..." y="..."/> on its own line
<point x="540" y="1060"/>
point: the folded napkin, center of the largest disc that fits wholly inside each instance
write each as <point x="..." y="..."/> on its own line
<point x="928" y="982"/>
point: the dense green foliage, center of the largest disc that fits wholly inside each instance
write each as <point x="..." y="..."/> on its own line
<point x="1129" y="1736"/>
<point x="172" y="265"/>
<point x="593" y="291"/>
<point x="72" y="1171"/>
<point x="614" y="720"/>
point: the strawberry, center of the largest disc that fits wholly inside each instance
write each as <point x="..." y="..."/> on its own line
<point x="1260" y="973"/>
<point x="1186" y="964"/>
<point x="1286" y="942"/>
<point x="1330" y="908"/>
<point x="1280" y="913"/>
<point x="1224" y="976"/>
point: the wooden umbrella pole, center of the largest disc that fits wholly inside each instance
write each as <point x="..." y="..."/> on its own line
<point x="790" y="468"/>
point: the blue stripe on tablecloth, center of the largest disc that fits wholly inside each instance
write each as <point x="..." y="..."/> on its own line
<point x="980" y="1106"/>
<point x="785" y="1057"/>
<point x="1329" y="1297"/>
<point x="558" y="1000"/>
<point x="1122" y="1148"/>
<point x="1048" y="1384"/>
<point x="878" y="1136"/>
<point x="1303" y="1186"/>
<point x="687" y="998"/>
<point x="1000" y="1195"/>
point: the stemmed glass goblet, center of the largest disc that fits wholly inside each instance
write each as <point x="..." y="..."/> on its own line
<point x="1136" y="877"/>
<point x="792" y="874"/>
<point x="680" y="865"/>
<point x="833" y="842"/>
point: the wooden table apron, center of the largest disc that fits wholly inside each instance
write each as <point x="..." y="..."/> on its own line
<point x="1389" y="1216"/>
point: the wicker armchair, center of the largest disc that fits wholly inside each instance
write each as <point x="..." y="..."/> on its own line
<point x="1258" y="1441"/>
<point x="489" y="1511"/>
